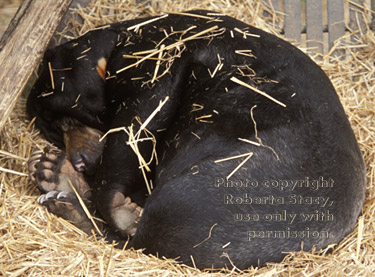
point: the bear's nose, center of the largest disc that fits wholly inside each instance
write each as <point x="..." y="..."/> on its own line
<point x="79" y="161"/>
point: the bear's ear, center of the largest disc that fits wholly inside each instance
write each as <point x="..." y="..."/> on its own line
<point x="47" y="58"/>
<point x="43" y="63"/>
<point x="47" y="55"/>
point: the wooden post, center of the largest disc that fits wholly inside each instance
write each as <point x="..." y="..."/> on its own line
<point x="314" y="25"/>
<point x="336" y="20"/>
<point x="292" y="21"/>
<point x="22" y="47"/>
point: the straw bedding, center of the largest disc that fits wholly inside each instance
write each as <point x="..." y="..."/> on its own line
<point x="35" y="243"/>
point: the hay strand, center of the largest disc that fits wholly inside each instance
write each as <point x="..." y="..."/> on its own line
<point x="247" y="155"/>
<point x="51" y="75"/>
<point x="134" y="139"/>
<point x="138" y="26"/>
<point x="238" y="81"/>
<point x="168" y="47"/>
<point x="208" y="237"/>
<point x="87" y="212"/>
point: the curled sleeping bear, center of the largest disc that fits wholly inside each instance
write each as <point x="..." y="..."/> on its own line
<point x="196" y="137"/>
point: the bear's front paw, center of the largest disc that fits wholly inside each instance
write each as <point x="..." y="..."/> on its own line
<point x="50" y="170"/>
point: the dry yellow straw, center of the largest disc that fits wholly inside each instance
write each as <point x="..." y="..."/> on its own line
<point x="174" y="45"/>
<point x="87" y="212"/>
<point x="238" y="81"/>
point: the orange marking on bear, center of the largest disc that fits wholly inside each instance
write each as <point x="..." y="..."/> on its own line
<point x="101" y="67"/>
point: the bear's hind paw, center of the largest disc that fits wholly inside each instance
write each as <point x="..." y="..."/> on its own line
<point x="67" y="206"/>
